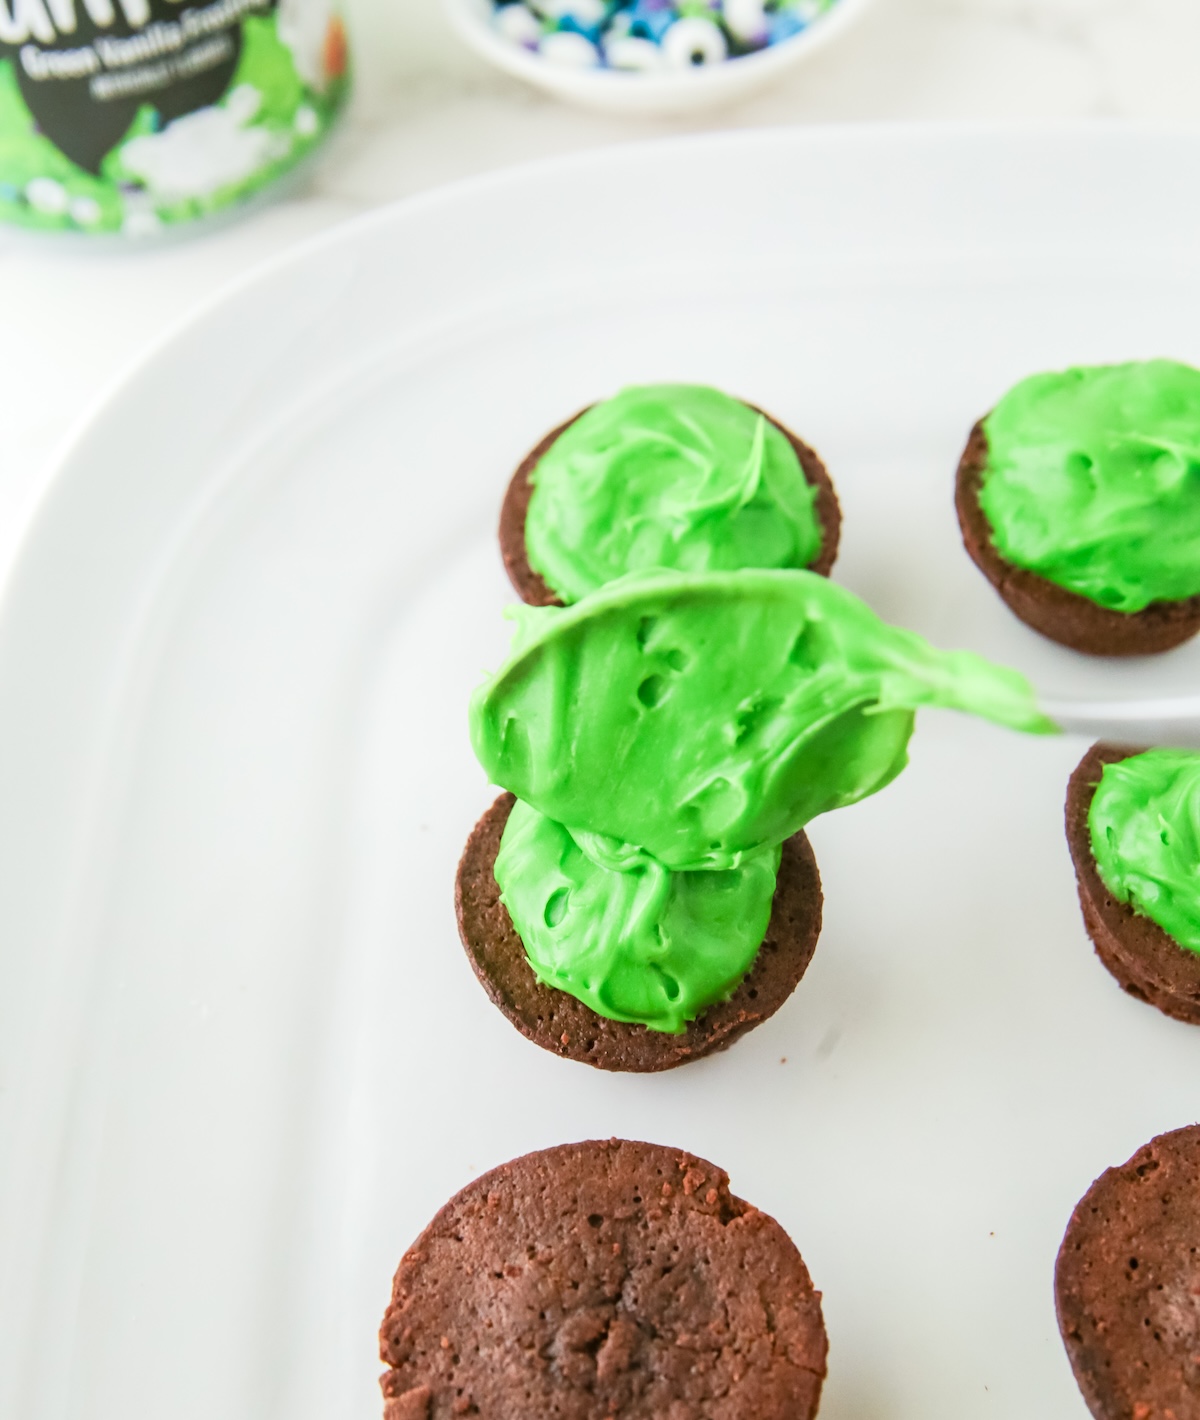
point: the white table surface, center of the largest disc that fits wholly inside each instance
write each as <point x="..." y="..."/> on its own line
<point x="427" y="112"/>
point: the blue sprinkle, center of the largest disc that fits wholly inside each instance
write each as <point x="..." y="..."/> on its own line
<point x="650" y="21"/>
<point x="783" y="25"/>
<point x="572" y="26"/>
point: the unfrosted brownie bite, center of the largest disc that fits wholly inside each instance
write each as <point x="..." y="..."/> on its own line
<point x="1127" y="1285"/>
<point x="600" y="1280"/>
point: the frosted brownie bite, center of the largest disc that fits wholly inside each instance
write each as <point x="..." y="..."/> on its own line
<point x="1078" y="497"/>
<point x="665" y="741"/>
<point x="677" y="476"/>
<point x="563" y="1024"/>
<point x="1133" y="819"/>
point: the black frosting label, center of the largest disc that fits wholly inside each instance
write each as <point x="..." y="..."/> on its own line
<point x="84" y="67"/>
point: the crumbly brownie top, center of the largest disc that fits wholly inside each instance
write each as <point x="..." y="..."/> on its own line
<point x="601" y="1280"/>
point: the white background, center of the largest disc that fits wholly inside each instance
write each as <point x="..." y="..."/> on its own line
<point x="428" y="112"/>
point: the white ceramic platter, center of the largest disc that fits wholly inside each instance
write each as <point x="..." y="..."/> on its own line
<point x="242" y="1056"/>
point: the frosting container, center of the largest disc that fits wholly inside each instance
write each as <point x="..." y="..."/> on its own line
<point x="132" y="116"/>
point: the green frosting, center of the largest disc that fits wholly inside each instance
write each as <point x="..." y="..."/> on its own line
<point x="641" y="943"/>
<point x="1144" y="824"/>
<point x="664" y="737"/>
<point x="703" y="717"/>
<point x="1093" y="481"/>
<point x="677" y="476"/>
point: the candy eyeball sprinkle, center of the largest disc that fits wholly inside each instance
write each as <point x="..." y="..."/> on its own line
<point x="746" y="20"/>
<point x="649" y="36"/>
<point x="632" y="54"/>
<point x="693" y="41"/>
<point x="518" y="24"/>
<point x="587" y="15"/>
<point x="569" y="50"/>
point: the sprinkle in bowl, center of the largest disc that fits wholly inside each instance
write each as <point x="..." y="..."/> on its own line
<point x="650" y="56"/>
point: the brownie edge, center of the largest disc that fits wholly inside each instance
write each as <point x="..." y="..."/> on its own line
<point x="1147" y="962"/>
<point x="1127" y="1285"/>
<point x="532" y="588"/>
<point x="602" y="1279"/>
<point x="1066" y="617"/>
<point x="560" y="1023"/>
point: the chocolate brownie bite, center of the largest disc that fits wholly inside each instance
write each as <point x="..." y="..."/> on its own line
<point x="602" y="1280"/>
<point x="667" y="740"/>
<point x="560" y="1023"/>
<point x="533" y="588"/>
<point x="1147" y="962"/>
<point x="1127" y="1285"/>
<point x="530" y="586"/>
<point x="1062" y="615"/>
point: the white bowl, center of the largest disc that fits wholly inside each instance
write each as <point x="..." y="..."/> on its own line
<point x="616" y="91"/>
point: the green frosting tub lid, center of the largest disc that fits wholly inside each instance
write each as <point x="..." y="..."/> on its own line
<point x="1144" y="825"/>
<point x="1092" y="480"/>
<point x="676" y="476"/>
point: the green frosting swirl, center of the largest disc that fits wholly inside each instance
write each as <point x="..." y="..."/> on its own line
<point x="1092" y="481"/>
<point x="1144" y="825"/>
<point x="678" y="476"/>
<point x="665" y="736"/>
<point x="639" y="944"/>
<point x="704" y="717"/>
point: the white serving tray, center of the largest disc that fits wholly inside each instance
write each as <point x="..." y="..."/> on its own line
<point x="242" y="1056"/>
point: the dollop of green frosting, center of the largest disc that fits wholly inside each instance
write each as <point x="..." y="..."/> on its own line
<point x="1144" y="826"/>
<point x="701" y="717"/>
<point x="1092" y="480"/>
<point x="678" y="476"/>
<point x="639" y="943"/>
